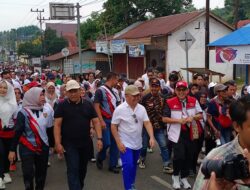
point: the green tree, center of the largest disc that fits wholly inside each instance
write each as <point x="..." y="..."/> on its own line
<point x="90" y="29"/>
<point x="9" y="39"/>
<point x="120" y="14"/>
<point x="234" y="11"/>
<point x="27" y="48"/>
<point x="52" y="43"/>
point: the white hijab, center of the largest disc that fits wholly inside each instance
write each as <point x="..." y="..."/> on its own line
<point x="8" y="104"/>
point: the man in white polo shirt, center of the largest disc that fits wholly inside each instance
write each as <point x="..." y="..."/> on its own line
<point x="126" y="126"/>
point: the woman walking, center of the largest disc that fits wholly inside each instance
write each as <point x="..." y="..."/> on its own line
<point x="31" y="125"/>
<point x="7" y="109"/>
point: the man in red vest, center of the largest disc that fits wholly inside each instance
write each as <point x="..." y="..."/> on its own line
<point x="182" y="114"/>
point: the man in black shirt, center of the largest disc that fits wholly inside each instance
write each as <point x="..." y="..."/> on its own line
<point x="72" y="133"/>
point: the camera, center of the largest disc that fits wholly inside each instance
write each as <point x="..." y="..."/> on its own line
<point x="232" y="167"/>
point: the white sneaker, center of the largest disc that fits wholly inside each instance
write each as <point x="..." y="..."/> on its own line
<point x="7" y="178"/>
<point x="176" y="182"/>
<point x="2" y="185"/>
<point x="119" y="162"/>
<point x="185" y="184"/>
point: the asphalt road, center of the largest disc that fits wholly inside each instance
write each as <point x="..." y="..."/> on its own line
<point x="150" y="178"/>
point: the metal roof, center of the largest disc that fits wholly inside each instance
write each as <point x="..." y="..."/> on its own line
<point x="160" y="26"/>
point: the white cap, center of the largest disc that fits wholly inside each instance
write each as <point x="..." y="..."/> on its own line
<point x="211" y="84"/>
<point x="138" y="84"/>
<point x="27" y="81"/>
<point x="72" y="84"/>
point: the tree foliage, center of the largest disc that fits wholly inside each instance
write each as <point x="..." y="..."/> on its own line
<point x="120" y="14"/>
<point x="30" y="49"/>
<point x="234" y="11"/>
<point x="52" y="43"/>
<point x="90" y="29"/>
<point x="9" y="39"/>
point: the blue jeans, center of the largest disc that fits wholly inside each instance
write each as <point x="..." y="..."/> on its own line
<point x="108" y="142"/>
<point x="129" y="165"/>
<point x="226" y="134"/>
<point x="162" y="142"/>
<point x="76" y="161"/>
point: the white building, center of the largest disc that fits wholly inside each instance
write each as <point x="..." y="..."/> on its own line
<point x="164" y="40"/>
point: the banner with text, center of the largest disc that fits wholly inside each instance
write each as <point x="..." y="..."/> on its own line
<point x="118" y="46"/>
<point x="136" y="51"/>
<point x="233" y="55"/>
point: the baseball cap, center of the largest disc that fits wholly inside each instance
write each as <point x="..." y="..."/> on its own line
<point x="97" y="72"/>
<point x="154" y="82"/>
<point x="72" y="84"/>
<point x="132" y="90"/>
<point x="138" y="84"/>
<point x="219" y="87"/>
<point x="211" y="84"/>
<point x="181" y="84"/>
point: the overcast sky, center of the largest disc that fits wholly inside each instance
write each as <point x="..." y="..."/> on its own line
<point x="16" y="13"/>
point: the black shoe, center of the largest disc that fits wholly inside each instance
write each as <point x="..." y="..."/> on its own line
<point x="99" y="164"/>
<point x="114" y="170"/>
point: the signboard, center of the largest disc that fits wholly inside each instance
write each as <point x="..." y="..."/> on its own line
<point x="102" y="47"/>
<point x="68" y="67"/>
<point x="136" y="51"/>
<point x="186" y="37"/>
<point x="86" y="68"/>
<point x="118" y="46"/>
<point x="65" y="52"/>
<point x="62" y="11"/>
<point x="36" y="61"/>
<point x="233" y="55"/>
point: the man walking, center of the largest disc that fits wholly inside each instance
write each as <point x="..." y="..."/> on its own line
<point x="182" y="114"/>
<point x="72" y="133"/>
<point x="153" y="104"/>
<point x="105" y="103"/>
<point x="127" y="123"/>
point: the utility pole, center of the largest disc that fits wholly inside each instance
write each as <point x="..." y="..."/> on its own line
<point x="236" y="20"/>
<point x="39" y="17"/>
<point x="207" y="30"/>
<point x="78" y="16"/>
<point x="110" y="67"/>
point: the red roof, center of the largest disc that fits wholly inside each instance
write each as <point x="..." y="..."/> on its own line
<point x="71" y="38"/>
<point x="242" y="23"/>
<point x="160" y="26"/>
<point x="59" y="55"/>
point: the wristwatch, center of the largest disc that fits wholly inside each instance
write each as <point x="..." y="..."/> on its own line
<point x="99" y="139"/>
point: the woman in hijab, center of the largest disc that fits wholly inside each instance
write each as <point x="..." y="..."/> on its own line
<point x="51" y="103"/>
<point x="50" y="94"/>
<point x="31" y="124"/>
<point x="7" y="109"/>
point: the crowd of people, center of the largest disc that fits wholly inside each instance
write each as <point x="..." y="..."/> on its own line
<point x="50" y="112"/>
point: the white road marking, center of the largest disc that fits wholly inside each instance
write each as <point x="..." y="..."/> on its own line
<point x="162" y="182"/>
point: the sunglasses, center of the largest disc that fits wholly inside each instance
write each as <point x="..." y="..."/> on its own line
<point x="181" y="89"/>
<point x="135" y="118"/>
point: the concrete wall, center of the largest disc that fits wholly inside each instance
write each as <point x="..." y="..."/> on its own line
<point x="176" y="56"/>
